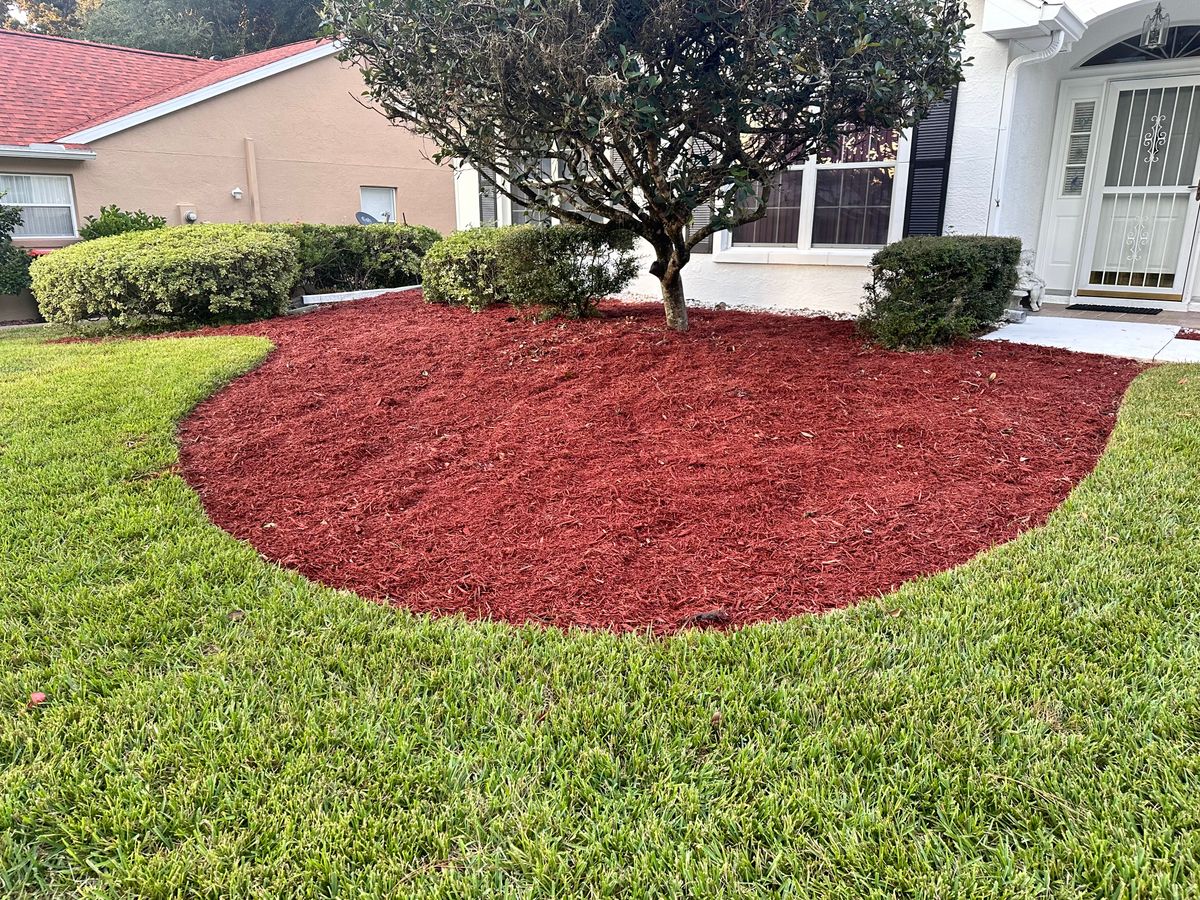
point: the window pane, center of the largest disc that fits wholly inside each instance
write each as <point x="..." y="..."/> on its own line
<point x="522" y="215"/>
<point x="379" y="202"/>
<point x="781" y="225"/>
<point x="45" y="221"/>
<point x="867" y="145"/>
<point x="853" y="207"/>
<point x="49" y="189"/>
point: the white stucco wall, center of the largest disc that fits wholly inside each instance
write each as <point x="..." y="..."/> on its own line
<point x="1034" y="127"/>
<point x="836" y="289"/>
<point x="976" y="130"/>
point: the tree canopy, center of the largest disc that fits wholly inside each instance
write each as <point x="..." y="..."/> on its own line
<point x="635" y="113"/>
<point x="221" y="28"/>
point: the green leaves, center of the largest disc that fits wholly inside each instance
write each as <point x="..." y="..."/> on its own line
<point x="113" y="220"/>
<point x="194" y="273"/>
<point x="14" y="262"/>
<point x="563" y="269"/>
<point x="928" y="291"/>
<point x="358" y="257"/>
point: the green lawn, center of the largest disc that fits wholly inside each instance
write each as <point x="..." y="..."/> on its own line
<point x="1027" y="725"/>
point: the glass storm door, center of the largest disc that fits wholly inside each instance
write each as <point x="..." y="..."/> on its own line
<point x="1142" y="225"/>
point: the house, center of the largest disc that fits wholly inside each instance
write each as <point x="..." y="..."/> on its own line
<point x="1077" y="129"/>
<point x="274" y="136"/>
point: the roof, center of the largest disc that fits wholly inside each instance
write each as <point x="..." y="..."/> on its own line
<point x="56" y="87"/>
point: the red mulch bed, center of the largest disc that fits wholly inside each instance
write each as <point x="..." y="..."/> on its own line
<point x="1188" y="334"/>
<point x="611" y="474"/>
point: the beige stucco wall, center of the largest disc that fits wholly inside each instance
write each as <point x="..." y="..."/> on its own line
<point x="315" y="147"/>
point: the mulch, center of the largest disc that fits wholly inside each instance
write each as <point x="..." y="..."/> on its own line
<point x="611" y="474"/>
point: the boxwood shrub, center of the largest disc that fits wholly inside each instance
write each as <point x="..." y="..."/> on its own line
<point x="561" y="269"/>
<point x="463" y="269"/>
<point x="565" y="269"/>
<point x="928" y="291"/>
<point x="189" y="274"/>
<point x="358" y="257"/>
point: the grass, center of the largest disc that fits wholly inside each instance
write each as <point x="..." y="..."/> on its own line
<point x="1025" y="726"/>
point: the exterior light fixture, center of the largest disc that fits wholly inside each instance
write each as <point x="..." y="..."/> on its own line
<point x="1155" y="29"/>
<point x="237" y="193"/>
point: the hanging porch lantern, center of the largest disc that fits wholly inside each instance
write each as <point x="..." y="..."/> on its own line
<point x="1155" y="29"/>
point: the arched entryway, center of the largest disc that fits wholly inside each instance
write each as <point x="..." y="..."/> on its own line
<point x="1121" y="221"/>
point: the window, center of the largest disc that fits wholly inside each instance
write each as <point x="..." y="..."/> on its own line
<point x="845" y="196"/>
<point x="1183" y="42"/>
<point x="47" y="207"/>
<point x="1079" y="144"/>
<point x="523" y="215"/>
<point x="854" y="192"/>
<point x="781" y="225"/>
<point x="379" y="202"/>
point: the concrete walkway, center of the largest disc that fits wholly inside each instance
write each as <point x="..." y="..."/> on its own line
<point x="1134" y="340"/>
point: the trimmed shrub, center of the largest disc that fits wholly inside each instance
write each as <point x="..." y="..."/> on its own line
<point x="464" y="269"/>
<point x="14" y="262"/>
<point x="562" y="269"/>
<point x="358" y="257"/>
<point x="113" y="220"/>
<point x="565" y="269"/>
<point x="189" y="274"/>
<point x="929" y="291"/>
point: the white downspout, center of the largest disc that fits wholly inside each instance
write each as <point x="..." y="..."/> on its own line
<point x="1057" y="39"/>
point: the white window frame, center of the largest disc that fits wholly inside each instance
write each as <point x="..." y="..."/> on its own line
<point x="379" y="187"/>
<point x="24" y="238"/>
<point x="804" y="253"/>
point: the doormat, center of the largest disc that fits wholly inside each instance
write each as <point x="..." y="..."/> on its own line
<point x="1099" y="307"/>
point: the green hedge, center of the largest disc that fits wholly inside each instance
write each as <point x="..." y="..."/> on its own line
<point x="192" y="274"/>
<point x="928" y="291"/>
<point x="113" y="220"/>
<point x="358" y="257"/>
<point x="14" y="262"/>
<point x="14" y="269"/>
<point x="464" y="269"/>
<point x="562" y="269"/>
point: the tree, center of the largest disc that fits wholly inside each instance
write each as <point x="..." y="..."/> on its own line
<point x="221" y="28"/>
<point x="637" y="112"/>
<point x="166" y="26"/>
<point x="58" y="17"/>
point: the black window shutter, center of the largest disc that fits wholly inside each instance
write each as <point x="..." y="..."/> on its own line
<point x="929" y="169"/>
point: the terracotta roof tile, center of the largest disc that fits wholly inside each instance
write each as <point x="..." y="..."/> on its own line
<point x="53" y="87"/>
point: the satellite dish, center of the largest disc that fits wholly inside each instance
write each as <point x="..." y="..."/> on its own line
<point x="366" y="219"/>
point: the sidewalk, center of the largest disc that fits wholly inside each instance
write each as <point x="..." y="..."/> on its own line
<point x="1134" y="340"/>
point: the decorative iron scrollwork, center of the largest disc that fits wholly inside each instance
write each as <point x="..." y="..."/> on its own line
<point x="1156" y="137"/>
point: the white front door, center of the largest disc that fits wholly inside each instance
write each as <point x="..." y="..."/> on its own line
<point x="1141" y="229"/>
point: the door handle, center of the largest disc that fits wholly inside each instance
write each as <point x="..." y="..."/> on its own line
<point x="1196" y="188"/>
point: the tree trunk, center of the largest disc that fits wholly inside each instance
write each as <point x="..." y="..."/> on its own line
<point x="673" y="300"/>
<point x="667" y="268"/>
